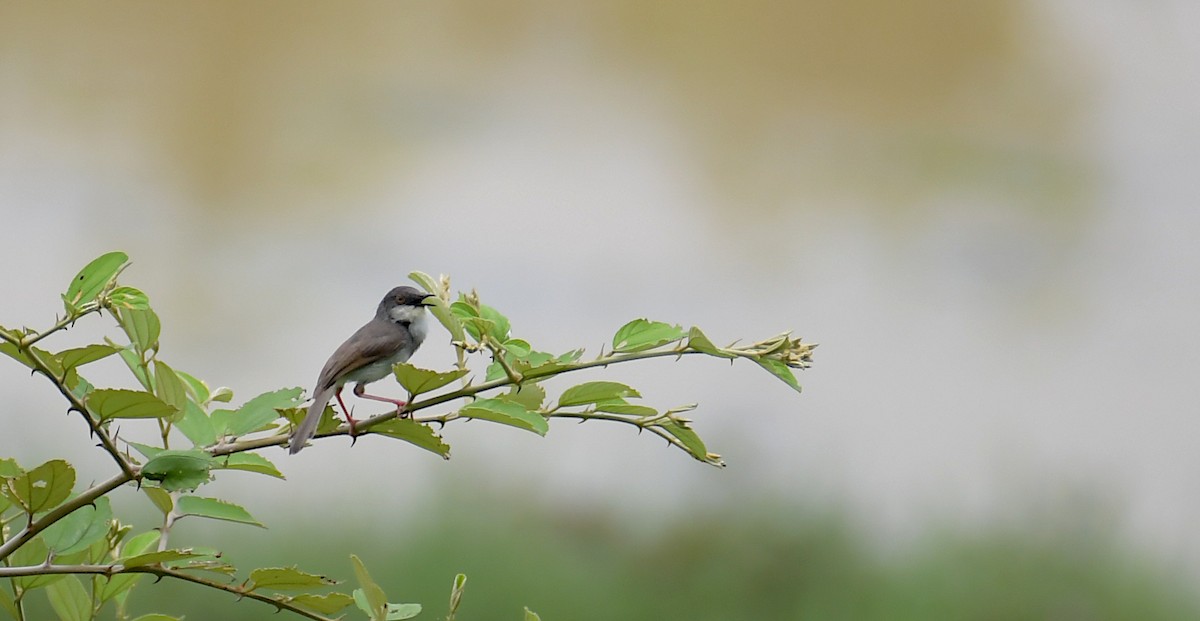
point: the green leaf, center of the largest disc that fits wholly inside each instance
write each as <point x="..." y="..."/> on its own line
<point x="370" y="598"/>
<point x="142" y="327"/>
<point x="592" y="392"/>
<point x="697" y="341"/>
<point x="177" y="470"/>
<point x="643" y="334"/>
<point x="415" y="433"/>
<point x="507" y="413"/>
<point x="197" y="426"/>
<point x="780" y="370"/>
<point x="9" y="468"/>
<point x="216" y="509"/>
<point x="529" y="396"/>
<point x="325" y="604"/>
<point x="286" y="579"/>
<point x="399" y="612"/>
<point x="531" y="615"/>
<point x="456" y="593"/>
<point x="136" y="365"/>
<point x="417" y="380"/>
<point x="154" y="616"/>
<point x="7" y="604"/>
<point x="42" y="488"/>
<point x="156" y="558"/>
<point x="692" y="442"/>
<point x="257" y="413"/>
<point x="222" y="394"/>
<point x="250" y="462"/>
<point x="79" y="356"/>
<point x="161" y="499"/>
<point x="198" y="390"/>
<point x="92" y="279"/>
<point x="119" y="584"/>
<point x="169" y="387"/>
<point x="108" y="403"/>
<point x="128" y="297"/>
<point x="621" y="406"/>
<point x="80" y="529"/>
<point x="441" y="310"/>
<point x="70" y="600"/>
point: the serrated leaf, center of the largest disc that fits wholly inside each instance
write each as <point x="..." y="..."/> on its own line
<point x="286" y="579"/>
<point x="80" y="529"/>
<point x="643" y="334"/>
<point x="176" y="470"/>
<point x="529" y="396"/>
<point x="70" y="600"/>
<point x="697" y="341"/>
<point x="592" y="392"/>
<point x="9" y="468"/>
<point x="250" y="462"/>
<point x="414" y="433"/>
<point x="42" y="488"/>
<point x="10" y="350"/>
<point x="128" y="297"/>
<point x="142" y="326"/>
<point x="93" y="278"/>
<point x="169" y="387"/>
<point x="196" y="425"/>
<point x="507" y="413"/>
<point x="370" y="598"/>
<point x="214" y="508"/>
<point x="531" y="615"/>
<point x="257" y="413"/>
<point x="160" y="498"/>
<point x="325" y="604"/>
<point x="109" y="403"/>
<point x="417" y="380"/>
<point x="79" y="356"/>
<point x="780" y="370"/>
<point x="156" y="558"/>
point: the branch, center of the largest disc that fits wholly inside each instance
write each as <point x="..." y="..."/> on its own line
<point x="88" y="496"/>
<point x="117" y="569"/>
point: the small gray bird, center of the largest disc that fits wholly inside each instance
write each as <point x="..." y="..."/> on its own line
<point x="367" y="356"/>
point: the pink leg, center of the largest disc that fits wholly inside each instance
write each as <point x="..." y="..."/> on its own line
<point x="359" y="391"/>
<point x="346" y="412"/>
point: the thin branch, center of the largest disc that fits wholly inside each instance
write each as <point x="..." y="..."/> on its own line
<point x="78" y="406"/>
<point x="88" y="496"/>
<point x="117" y="569"/>
<point x="28" y="341"/>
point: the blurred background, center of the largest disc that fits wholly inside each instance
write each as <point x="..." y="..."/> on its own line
<point x="985" y="212"/>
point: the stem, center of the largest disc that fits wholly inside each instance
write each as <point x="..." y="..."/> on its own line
<point x="365" y="424"/>
<point x="88" y="496"/>
<point x="78" y="406"/>
<point x="28" y="341"/>
<point x="117" y="569"/>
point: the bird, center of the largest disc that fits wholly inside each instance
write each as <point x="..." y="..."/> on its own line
<point x="398" y="329"/>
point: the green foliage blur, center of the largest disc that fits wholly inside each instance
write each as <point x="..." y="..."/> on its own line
<point x="735" y="562"/>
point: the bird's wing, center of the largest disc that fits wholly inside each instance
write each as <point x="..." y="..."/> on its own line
<point x="371" y="343"/>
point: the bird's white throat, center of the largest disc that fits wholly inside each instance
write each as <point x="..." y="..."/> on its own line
<point x="414" y="317"/>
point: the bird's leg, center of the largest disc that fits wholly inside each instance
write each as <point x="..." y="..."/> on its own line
<point x="359" y="391"/>
<point x="346" y="413"/>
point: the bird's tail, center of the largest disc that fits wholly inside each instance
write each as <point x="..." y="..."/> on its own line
<point x="307" y="427"/>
